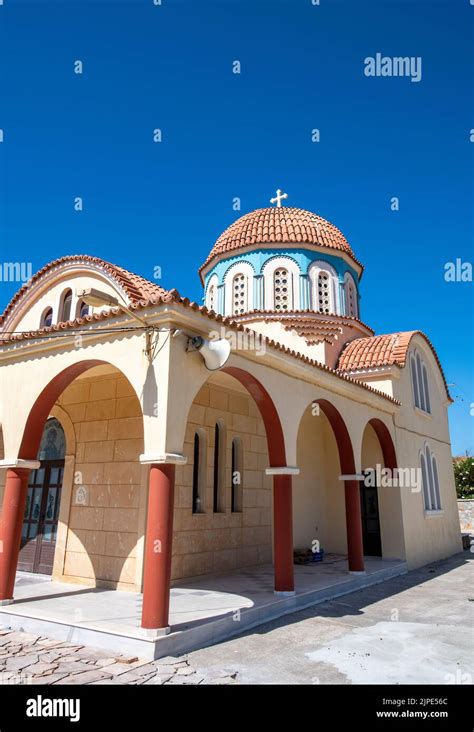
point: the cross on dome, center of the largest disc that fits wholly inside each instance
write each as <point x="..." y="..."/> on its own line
<point x="278" y="198"/>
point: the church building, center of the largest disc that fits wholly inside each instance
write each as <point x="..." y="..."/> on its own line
<point x="147" y="439"/>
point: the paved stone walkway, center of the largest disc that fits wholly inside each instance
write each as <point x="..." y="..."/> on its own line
<point x="33" y="659"/>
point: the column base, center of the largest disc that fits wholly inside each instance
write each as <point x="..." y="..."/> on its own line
<point x="357" y="572"/>
<point x="154" y="633"/>
<point x="6" y="602"/>
<point x="284" y="593"/>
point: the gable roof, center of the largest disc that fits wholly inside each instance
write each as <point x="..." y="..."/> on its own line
<point x="390" y="349"/>
<point x="135" y="287"/>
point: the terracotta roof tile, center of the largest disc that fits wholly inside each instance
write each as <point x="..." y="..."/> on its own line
<point x="173" y="296"/>
<point x="279" y="225"/>
<point x="136" y="288"/>
<point x="383" y="350"/>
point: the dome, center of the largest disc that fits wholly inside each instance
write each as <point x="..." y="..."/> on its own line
<point x="280" y="225"/>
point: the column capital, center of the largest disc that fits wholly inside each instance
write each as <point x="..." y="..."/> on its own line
<point x="285" y="470"/>
<point x="20" y="464"/>
<point x="164" y="458"/>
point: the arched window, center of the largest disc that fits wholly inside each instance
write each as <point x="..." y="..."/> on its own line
<point x="414" y="381"/>
<point x="436" y="483"/>
<point x="65" y="309"/>
<point x="46" y="318"/>
<point x="239" y="294"/>
<point x="211" y="298"/>
<point x="426" y="392"/>
<point x="430" y="480"/>
<point x="419" y="379"/>
<point x="219" y="466"/>
<point x="237" y="475"/>
<point x="199" y="471"/>
<point x="425" y="484"/>
<point x="53" y="441"/>
<point x="351" y="297"/>
<point x="324" y="291"/>
<point x="282" y="295"/>
<point x="82" y="309"/>
<point x="323" y="279"/>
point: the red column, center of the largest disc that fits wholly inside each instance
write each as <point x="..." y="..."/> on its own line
<point x="14" y="498"/>
<point x="355" y="546"/>
<point x="158" y="547"/>
<point x="283" y="533"/>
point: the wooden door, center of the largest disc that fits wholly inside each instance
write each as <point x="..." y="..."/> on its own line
<point x="40" y="521"/>
<point x="369" y="505"/>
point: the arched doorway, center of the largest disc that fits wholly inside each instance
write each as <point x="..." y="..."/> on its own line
<point x="382" y="523"/>
<point x="321" y="446"/>
<point x="40" y="518"/>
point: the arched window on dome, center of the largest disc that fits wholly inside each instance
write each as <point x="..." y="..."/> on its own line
<point x="282" y="295"/>
<point x="211" y="298"/>
<point x="323" y="280"/>
<point x="324" y="293"/>
<point x="239" y="293"/>
<point x="351" y="297"/>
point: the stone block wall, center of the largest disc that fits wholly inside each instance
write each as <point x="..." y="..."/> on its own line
<point x="213" y="542"/>
<point x="103" y="526"/>
<point x="466" y="514"/>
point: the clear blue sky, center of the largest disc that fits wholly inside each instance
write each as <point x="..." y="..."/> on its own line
<point x="227" y="135"/>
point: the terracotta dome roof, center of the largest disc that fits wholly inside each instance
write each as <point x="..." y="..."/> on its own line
<point x="280" y="225"/>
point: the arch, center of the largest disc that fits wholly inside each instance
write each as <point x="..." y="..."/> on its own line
<point x="341" y="433"/>
<point x="45" y="402"/>
<point x="82" y="309"/>
<point x="351" y="297"/>
<point x="378" y="455"/>
<point x="322" y="275"/>
<point x="46" y="317"/>
<point x="430" y="479"/>
<point x="211" y="293"/>
<point x="386" y="442"/>
<point x="426" y="390"/>
<point x="268" y="412"/>
<point x="281" y="263"/>
<point x="219" y="466"/>
<point x="352" y="505"/>
<point x="199" y="471"/>
<point x="245" y="270"/>
<point x="65" y="306"/>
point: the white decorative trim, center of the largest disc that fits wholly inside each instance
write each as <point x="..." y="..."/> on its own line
<point x="167" y="458"/>
<point x="248" y="271"/>
<point x="284" y="593"/>
<point x="20" y="464"/>
<point x="6" y="602"/>
<point x="152" y="634"/>
<point x="281" y="261"/>
<point x="286" y="470"/>
<point x="359" y="572"/>
<point x="356" y="476"/>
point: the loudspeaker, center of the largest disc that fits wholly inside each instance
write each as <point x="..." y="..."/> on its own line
<point x="214" y="353"/>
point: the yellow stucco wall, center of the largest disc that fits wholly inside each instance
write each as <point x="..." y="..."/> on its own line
<point x="318" y="494"/>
